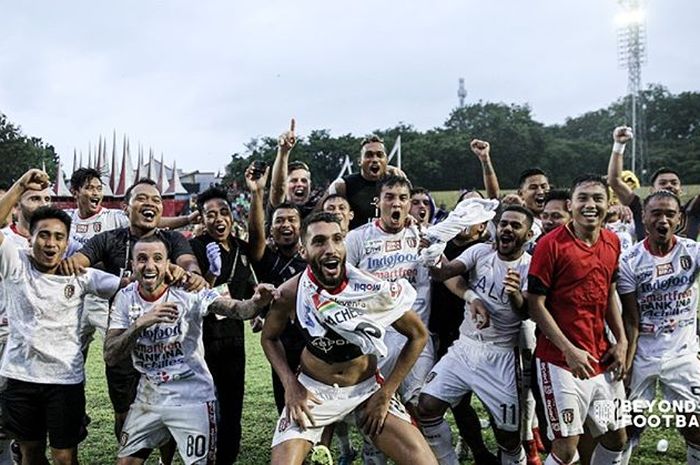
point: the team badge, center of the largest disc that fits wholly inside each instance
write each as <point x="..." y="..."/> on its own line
<point x="431" y="376"/>
<point x="68" y="291"/>
<point x="81" y="228"/>
<point x="686" y="262"/>
<point x="372" y="247"/>
<point x="283" y="425"/>
<point x="664" y="269"/>
<point x="567" y="415"/>
<point x="124" y="438"/>
<point x="392" y="246"/>
<point x="97" y="227"/>
<point x="411" y="242"/>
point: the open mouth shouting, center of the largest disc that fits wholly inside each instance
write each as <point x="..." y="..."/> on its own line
<point x="220" y="229"/>
<point x="94" y="202"/>
<point x="331" y="267"/>
<point x="299" y="194"/>
<point x="539" y="201"/>
<point x="148" y="214"/>
<point x="375" y="169"/>
<point x="396" y="218"/>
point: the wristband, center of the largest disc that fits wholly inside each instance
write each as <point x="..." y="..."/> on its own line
<point x="469" y="296"/>
<point x="619" y="147"/>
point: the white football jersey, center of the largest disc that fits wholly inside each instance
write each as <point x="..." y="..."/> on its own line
<point x="106" y="219"/>
<point x="486" y="274"/>
<point x="44" y="312"/>
<point x="625" y="232"/>
<point x="20" y="242"/>
<point x="169" y="356"/>
<point x="667" y="294"/>
<point x="391" y="256"/>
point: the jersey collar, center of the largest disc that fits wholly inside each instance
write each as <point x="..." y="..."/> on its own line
<point x="336" y="290"/>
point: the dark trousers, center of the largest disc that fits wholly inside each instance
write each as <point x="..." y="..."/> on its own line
<point x="226" y="361"/>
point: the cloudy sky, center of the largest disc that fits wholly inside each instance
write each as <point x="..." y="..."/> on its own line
<point x="196" y="80"/>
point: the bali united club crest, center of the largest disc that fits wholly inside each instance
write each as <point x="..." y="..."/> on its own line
<point x="686" y="262"/>
<point x="567" y="415"/>
<point x="68" y="291"/>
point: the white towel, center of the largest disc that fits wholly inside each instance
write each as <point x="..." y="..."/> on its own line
<point x="359" y="313"/>
<point x="467" y="213"/>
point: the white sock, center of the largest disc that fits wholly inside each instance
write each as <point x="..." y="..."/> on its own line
<point x="603" y="456"/>
<point x="438" y="435"/>
<point x="693" y="454"/>
<point x="371" y="455"/>
<point x="516" y="457"/>
<point x="341" y="432"/>
<point x="554" y="460"/>
<point x="529" y="417"/>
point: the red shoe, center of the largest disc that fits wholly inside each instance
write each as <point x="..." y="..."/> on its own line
<point x="538" y="440"/>
<point x="533" y="457"/>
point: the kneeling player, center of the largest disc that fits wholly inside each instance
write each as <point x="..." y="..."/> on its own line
<point x="661" y="272"/>
<point x="485" y="358"/>
<point x="161" y="328"/>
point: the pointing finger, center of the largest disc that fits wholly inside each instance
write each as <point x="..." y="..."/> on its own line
<point x="292" y="125"/>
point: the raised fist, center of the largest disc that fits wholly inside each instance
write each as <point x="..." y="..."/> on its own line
<point x="481" y="149"/>
<point x="622" y="134"/>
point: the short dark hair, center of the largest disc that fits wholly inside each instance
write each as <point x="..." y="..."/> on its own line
<point x="317" y="217"/>
<point x="287" y="206"/>
<point x="663" y="170"/>
<point x="213" y="192"/>
<point x="528" y="173"/>
<point x="149" y="181"/>
<point x="370" y="139"/>
<point x="557" y="194"/>
<point x="297" y="165"/>
<point x="661" y="194"/>
<point x="150" y="239"/>
<point x="518" y="209"/>
<point x="590" y="178"/>
<point x="419" y="190"/>
<point x="393" y="180"/>
<point x="469" y="190"/>
<point x="334" y="196"/>
<point x="49" y="213"/>
<point x="82" y="176"/>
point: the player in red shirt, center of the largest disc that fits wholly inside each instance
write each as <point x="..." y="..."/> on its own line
<point x="571" y="285"/>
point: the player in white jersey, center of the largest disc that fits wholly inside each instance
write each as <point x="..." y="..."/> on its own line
<point x="485" y="359"/>
<point x="161" y="328"/>
<point x="42" y="362"/>
<point x="389" y="250"/>
<point x="659" y="292"/>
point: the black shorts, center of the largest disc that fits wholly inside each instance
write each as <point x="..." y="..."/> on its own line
<point x="31" y="410"/>
<point x="122" y="382"/>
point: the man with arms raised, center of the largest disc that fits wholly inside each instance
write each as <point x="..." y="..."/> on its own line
<point x="484" y="360"/>
<point x="659" y="293"/>
<point x="342" y="325"/>
<point x="43" y="362"/>
<point x="571" y="296"/>
<point x="160" y="327"/>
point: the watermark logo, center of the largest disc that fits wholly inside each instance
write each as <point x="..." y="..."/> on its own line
<point x="648" y="414"/>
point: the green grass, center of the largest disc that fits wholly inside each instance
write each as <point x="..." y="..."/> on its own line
<point x="260" y="415"/>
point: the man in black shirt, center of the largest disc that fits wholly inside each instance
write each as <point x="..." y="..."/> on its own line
<point x="113" y="250"/>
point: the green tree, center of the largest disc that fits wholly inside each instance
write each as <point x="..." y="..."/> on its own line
<point x="19" y="153"/>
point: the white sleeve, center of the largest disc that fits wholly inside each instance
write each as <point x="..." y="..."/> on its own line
<point x="10" y="263"/>
<point x="353" y="245"/>
<point x="468" y="257"/>
<point x="101" y="284"/>
<point x="121" y="219"/>
<point x="625" y="277"/>
<point x="119" y="315"/>
<point x="203" y="299"/>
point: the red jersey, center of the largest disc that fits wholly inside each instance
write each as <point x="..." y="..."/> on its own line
<point x="576" y="279"/>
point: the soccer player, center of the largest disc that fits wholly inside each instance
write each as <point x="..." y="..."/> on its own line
<point x="338" y="376"/>
<point x="659" y="293"/>
<point x="338" y="205"/>
<point x="485" y="358"/>
<point x="556" y="212"/>
<point x="663" y="178"/>
<point x="422" y="206"/>
<point x="571" y="296"/>
<point x="43" y="363"/>
<point x="225" y="260"/>
<point x="160" y="327"/>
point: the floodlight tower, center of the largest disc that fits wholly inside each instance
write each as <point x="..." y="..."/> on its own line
<point x="631" y="36"/>
<point x="461" y="93"/>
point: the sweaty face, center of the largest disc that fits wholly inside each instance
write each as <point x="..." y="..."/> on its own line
<point x="512" y="232"/>
<point x="341" y="208"/>
<point x="324" y="251"/>
<point x="661" y="217"/>
<point x="49" y="242"/>
<point x="667" y="181"/>
<point x="150" y="264"/>
<point x="420" y="208"/>
<point x="89" y="197"/>
<point x="589" y="205"/>
<point x="554" y="215"/>
<point x="299" y="186"/>
<point x="285" y="227"/>
<point x="533" y="191"/>
<point x="394" y="203"/>
<point x="145" y="206"/>
<point x="30" y="201"/>
<point x="373" y="161"/>
<point x="217" y="219"/>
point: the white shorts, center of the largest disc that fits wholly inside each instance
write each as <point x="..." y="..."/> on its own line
<point x="489" y="371"/>
<point x="413" y="382"/>
<point x="95" y="316"/>
<point x="192" y="426"/>
<point x="527" y="338"/>
<point x="337" y="404"/>
<point x="569" y="401"/>
<point x="679" y="378"/>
